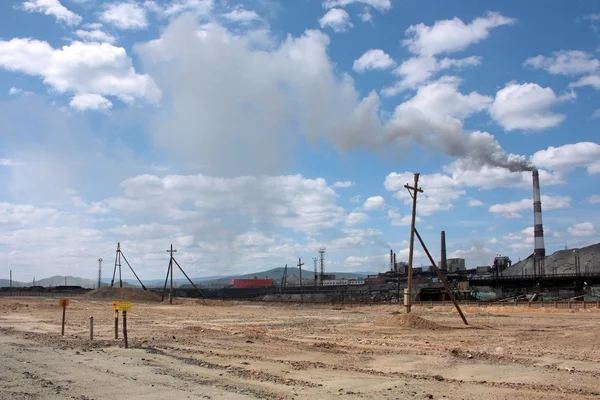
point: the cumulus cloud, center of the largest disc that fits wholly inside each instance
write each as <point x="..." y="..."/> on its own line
<point x="445" y="36"/>
<point x="565" y="62"/>
<point x="90" y="101"/>
<point x="452" y="35"/>
<point x="380" y="5"/>
<point x="439" y="191"/>
<point x="337" y="19"/>
<point x="343" y="184"/>
<point x="526" y="106"/>
<point x="95" y="35"/>
<point x="128" y="15"/>
<point x="570" y="156"/>
<point x="373" y="59"/>
<point x="53" y="8"/>
<point x="419" y="70"/>
<point x="99" y="68"/>
<point x="570" y="63"/>
<point x="398" y="219"/>
<point x="582" y="229"/>
<point x="374" y="203"/>
<point x="513" y="209"/>
<point x="356" y="218"/>
<point x="474" y="203"/>
<point x="594" y="199"/>
<point x="241" y="15"/>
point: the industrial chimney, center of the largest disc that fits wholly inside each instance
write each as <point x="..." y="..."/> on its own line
<point x="391" y="260"/>
<point x="443" y="261"/>
<point x="539" y="252"/>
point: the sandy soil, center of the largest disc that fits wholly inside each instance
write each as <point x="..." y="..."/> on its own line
<point x="265" y="351"/>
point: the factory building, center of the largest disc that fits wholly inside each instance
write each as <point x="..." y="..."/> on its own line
<point x="456" y="264"/>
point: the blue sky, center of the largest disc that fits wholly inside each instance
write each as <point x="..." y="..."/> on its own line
<point x="249" y="134"/>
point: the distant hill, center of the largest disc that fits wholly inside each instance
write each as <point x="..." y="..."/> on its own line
<point x="562" y="261"/>
<point x="6" y="283"/>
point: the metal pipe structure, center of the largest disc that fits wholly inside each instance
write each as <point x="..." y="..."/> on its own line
<point x="444" y="259"/>
<point x="539" y="252"/>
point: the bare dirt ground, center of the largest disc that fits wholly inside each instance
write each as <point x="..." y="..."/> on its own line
<point x="268" y="351"/>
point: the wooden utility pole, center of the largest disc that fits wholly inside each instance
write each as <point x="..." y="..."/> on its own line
<point x="300" y="264"/>
<point x="413" y="190"/>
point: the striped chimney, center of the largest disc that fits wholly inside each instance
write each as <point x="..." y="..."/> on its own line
<point x="539" y="251"/>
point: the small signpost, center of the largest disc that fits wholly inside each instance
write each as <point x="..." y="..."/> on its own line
<point x="125" y="306"/>
<point x="64" y="303"/>
<point x="115" y="305"/>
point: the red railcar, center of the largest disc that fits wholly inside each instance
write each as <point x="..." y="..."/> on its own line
<point x="251" y="283"/>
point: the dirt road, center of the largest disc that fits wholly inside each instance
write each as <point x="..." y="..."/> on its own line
<point x="246" y="351"/>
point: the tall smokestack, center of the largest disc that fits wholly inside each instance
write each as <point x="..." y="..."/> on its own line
<point x="539" y="252"/>
<point x="443" y="261"/>
<point x="391" y="260"/>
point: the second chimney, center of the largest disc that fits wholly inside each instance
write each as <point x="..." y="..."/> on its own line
<point x="443" y="261"/>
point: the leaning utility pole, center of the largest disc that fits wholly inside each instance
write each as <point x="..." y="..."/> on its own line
<point x="413" y="190"/>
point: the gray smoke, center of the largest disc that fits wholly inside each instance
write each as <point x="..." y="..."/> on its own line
<point x="241" y="104"/>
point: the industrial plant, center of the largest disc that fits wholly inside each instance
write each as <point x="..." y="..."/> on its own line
<point x="535" y="278"/>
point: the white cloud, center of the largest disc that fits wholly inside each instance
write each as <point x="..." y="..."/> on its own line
<point x="566" y="62"/>
<point x="419" y="70"/>
<point x="452" y="35"/>
<point x="13" y="91"/>
<point x="356" y="218"/>
<point x="398" y="219"/>
<point x="95" y="36"/>
<point x="570" y="62"/>
<point x="373" y="59"/>
<point x="128" y="15"/>
<point x="89" y="101"/>
<point x="356" y="199"/>
<point x="293" y="202"/>
<point x="570" y="156"/>
<point x="594" y="199"/>
<point x="337" y="19"/>
<point x="366" y="15"/>
<point x="513" y="209"/>
<point x="590" y="80"/>
<point x="441" y="99"/>
<point x="582" y="229"/>
<point x="526" y="106"/>
<point x="53" y="8"/>
<point x="80" y="68"/>
<point x="475" y="203"/>
<point x="596" y="114"/>
<point x="176" y="7"/>
<point x="439" y="191"/>
<point x="524" y="239"/>
<point x="477" y="255"/>
<point x="241" y="15"/>
<point x="380" y="5"/>
<point x="446" y="36"/>
<point x="5" y="162"/>
<point x="343" y="184"/>
<point x="374" y="203"/>
<point x="371" y="263"/>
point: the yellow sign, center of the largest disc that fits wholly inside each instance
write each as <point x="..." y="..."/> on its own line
<point x="115" y="305"/>
<point x="125" y="306"/>
<point x="64" y="302"/>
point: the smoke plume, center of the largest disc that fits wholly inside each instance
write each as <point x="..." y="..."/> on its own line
<point x="240" y="104"/>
